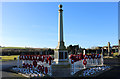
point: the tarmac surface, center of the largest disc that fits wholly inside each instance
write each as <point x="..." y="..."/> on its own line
<point x="113" y="73"/>
<point x="4" y="69"/>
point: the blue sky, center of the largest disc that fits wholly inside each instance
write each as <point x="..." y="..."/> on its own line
<point x="35" y="24"/>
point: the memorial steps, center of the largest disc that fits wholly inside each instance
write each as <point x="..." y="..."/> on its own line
<point x="61" y="71"/>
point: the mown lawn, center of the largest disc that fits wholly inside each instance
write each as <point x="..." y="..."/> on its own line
<point x="115" y="54"/>
<point x="13" y="48"/>
<point x="8" y="58"/>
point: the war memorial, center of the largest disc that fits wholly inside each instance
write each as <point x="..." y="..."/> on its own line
<point x="62" y="64"/>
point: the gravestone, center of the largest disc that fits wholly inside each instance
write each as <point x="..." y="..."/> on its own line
<point x="119" y="46"/>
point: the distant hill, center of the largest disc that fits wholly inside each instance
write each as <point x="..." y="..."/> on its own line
<point x="13" y="47"/>
<point x="24" y="48"/>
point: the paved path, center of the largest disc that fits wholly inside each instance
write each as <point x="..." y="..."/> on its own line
<point x="4" y="66"/>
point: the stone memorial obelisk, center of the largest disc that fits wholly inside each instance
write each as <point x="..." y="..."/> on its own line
<point x="60" y="53"/>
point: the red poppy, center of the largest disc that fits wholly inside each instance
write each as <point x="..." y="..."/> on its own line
<point x="39" y="67"/>
<point x="46" y="70"/>
<point x="84" y="62"/>
<point x="23" y="65"/>
<point x="20" y="57"/>
<point x="26" y="65"/>
<point x="35" y="63"/>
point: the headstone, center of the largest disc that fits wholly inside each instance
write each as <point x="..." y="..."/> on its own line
<point x="84" y="52"/>
<point x="108" y="48"/>
<point x="119" y="46"/>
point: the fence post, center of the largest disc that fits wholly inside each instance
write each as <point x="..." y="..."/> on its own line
<point x="102" y="60"/>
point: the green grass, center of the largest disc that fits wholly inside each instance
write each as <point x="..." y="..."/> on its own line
<point x="8" y="58"/>
<point x="13" y="48"/>
<point x="115" y="54"/>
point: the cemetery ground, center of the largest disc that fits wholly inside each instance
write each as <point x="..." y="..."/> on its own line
<point x="113" y="73"/>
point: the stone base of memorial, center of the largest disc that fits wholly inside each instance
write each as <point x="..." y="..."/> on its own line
<point x="61" y="57"/>
<point x="61" y="65"/>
